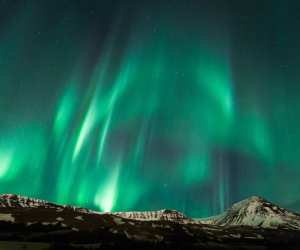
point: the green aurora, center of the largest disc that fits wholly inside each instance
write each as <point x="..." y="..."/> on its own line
<point x="142" y="105"/>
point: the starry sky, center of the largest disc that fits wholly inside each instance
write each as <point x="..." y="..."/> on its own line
<point x="142" y="105"/>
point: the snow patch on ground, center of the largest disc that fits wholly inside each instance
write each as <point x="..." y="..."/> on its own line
<point x="7" y="217"/>
<point x="78" y="218"/>
<point x="118" y="221"/>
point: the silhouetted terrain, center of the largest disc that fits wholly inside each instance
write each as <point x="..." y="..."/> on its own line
<point x="251" y="224"/>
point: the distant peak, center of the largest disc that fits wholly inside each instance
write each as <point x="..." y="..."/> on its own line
<point x="19" y="201"/>
<point x="256" y="204"/>
<point x="256" y="211"/>
<point x="169" y="211"/>
<point x="256" y="198"/>
<point x="164" y="214"/>
<point x="17" y="197"/>
<point x="13" y="200"/>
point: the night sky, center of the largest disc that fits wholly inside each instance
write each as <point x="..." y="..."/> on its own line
<point x="143" y="105"/>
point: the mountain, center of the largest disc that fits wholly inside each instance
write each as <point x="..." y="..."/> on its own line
<point x="36" y="213"/>
<point x="257" y="212"/>
<point x="18" y="201"/>
<point x="27" y="223"/>
<point x="160" y="215"/>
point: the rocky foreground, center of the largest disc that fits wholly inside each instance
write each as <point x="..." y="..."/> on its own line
<point x="254" y="223"/>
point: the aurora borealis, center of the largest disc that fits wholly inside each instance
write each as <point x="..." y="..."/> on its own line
<point x="142" y="105"/>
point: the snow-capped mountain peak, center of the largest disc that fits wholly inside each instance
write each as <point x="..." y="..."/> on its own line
<point x="258" y="212"/>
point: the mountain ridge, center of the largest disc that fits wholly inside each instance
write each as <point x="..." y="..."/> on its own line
<point x="25" y="220"/>
<point x="20" y="201"/>
<point x="254" y="211"/>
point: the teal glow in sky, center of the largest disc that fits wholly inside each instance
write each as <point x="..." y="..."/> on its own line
<point x="190" y="105"/>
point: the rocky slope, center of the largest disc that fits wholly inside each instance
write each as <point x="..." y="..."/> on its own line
<point x="257" y="212"/>
<point x="18" y="201"/>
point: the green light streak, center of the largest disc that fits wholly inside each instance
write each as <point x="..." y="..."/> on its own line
<point x="106" y="196"/>
<point x="119" y="87"/>
<point x="6" y="159"/>
<point x="214" y="78"/>
<point x="103" y="136"/>
<point x="164" y="89"/>
<point x="88" y="124"/>
<point x="65" y="111"/>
